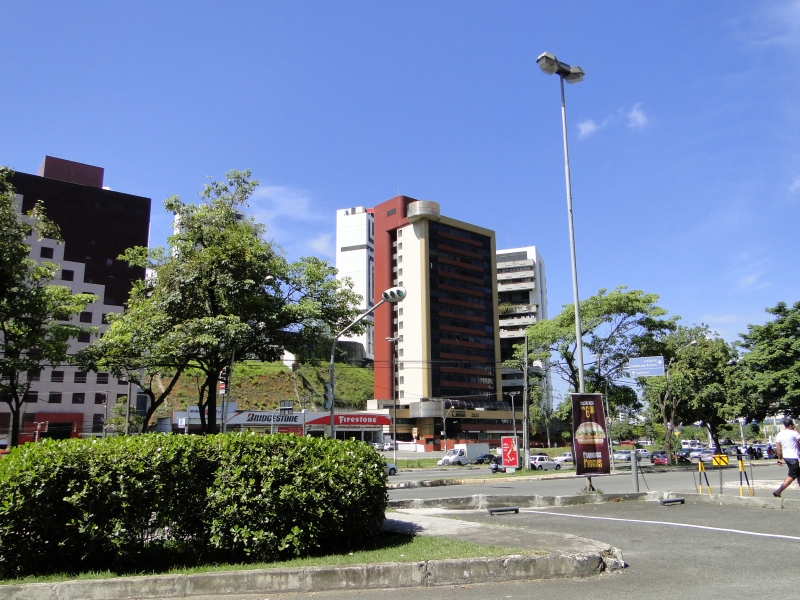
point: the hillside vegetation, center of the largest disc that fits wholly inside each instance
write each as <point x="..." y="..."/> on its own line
<point x="262" y="386"/>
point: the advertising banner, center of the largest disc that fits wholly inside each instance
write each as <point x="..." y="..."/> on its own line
<point x="589" y="436"/>
<point x="510" y="451"/>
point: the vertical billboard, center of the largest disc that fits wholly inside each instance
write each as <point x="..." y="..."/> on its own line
<point x="589" y="435"/>
<point x="510" y="451"/>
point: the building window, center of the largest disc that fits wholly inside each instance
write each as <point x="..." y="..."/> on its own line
<point x="400" y="312"/>
<point x="97" y="423"/>
<point x="122" y="382"/>
<point x="400" y="273"/>
<point x="400" y="246"/>
<point x="390" y="212"/>
<point x="400" y="366"/>
<point x="84" y="336"/>
<point x="401" y="394"/>
<point x="102" y="378"/>
<point x="99" y="398"/>
<point x="109" y="262"/>
<point x="54" y="398"/>
<point x="400" y="352"/>
<point x="67" y="274"/>
<point x="46" y="252"/>
<point x="57" y="376"/>
<point x="32" y="397"/>
<point x="86" y="317"/>
<point x="80" y="377"/>
<point x="400" y="325"/>
<point x="402" y="380"/>
<point x="34" y="375"/>
<point x="104" y="319"/>
<point x="78" y="397"/>
<point x="399" y="258"/>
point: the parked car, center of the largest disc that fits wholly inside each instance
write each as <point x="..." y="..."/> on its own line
<point x="695" y="453"/>
<point x="706" y="455"/>
<point x="496" y="465"/>
<point x="623" y="455"/>
<point x="642" y="453"/>
<point x="378" y="445"/>
<point x="483" y="459"/>
<point x="659" y="459"/>
<point x="544" y="463"/>
<point x="391" y="469"/>
<point x="564" y="457"/>
<point x="388" y="446"/>
<point x="657" y="453"/>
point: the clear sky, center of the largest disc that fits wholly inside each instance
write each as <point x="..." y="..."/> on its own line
<point x="683" y="137"/>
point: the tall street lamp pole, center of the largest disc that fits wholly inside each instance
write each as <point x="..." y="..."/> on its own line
<point x="550" y="65"/>
<point x="513" y="413"/>
<point x="392" y="295"/>
<point x="394" y="341"/>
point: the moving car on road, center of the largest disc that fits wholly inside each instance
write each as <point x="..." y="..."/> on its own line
<point x="544" y="463"/>
<point x="496" y="465"/>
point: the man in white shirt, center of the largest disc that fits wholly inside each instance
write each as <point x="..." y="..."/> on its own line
<point x="786" y="447"/>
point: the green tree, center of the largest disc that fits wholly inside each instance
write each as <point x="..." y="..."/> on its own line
<point x="124" y="418"/>
<point x="709" y="373"/>
<point x="34" y="315"/>
<point x="616" y="326"/>
<point x="221" y="291"/>
<point x="771" y="364"/>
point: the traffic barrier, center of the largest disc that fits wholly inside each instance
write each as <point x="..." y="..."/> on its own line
<point x="701" y="473"/>
<point x="668" y="501"/>
<point x="742" y="471"/>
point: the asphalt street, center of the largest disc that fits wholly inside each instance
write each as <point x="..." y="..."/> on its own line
<point x="674" y="552"/>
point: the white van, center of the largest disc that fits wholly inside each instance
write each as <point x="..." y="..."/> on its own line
<point x="691" y="444"/>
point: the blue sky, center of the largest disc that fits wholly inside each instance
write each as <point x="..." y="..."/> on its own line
<point x="683" y="137"/>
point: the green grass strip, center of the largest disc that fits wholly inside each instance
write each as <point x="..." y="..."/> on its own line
<point x="390" y="547"/>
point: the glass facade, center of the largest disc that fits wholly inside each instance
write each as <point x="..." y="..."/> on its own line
<point x="461" y="313"/>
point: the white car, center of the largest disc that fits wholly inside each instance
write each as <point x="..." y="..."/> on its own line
<point x="388" y="446"/>
<point x="642" y="453"/>
<point x="564" y="457"/>
<point x="696" y="453"/>
<point x="544" y="463"/>
<point x="624" y="455"/>
<point x="391" y="469"/>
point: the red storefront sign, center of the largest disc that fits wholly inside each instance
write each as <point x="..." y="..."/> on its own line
<point x="589" y="435"/>
<point x="351" y="419"/>
<point x="510" y="451"/>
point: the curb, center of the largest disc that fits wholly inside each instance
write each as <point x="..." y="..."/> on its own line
<point x="318" y="579"/>
<point x="485" y="501"/>
<point x="745" y="501"/>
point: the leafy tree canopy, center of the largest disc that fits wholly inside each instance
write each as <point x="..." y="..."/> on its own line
<point x="771" y="363"/>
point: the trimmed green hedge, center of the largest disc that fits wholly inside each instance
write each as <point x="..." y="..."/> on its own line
<point x="131" y="503"/>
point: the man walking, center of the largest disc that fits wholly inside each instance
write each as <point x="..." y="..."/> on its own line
<point x="786" y="447"/>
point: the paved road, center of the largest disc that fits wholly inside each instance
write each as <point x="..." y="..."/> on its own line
<point x="717" y="558"/>
<point x="766" y="478"/>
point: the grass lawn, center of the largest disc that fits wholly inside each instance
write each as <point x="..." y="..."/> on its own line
<point x="390" y="547"/>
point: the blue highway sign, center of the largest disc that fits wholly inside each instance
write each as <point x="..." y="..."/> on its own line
<point x="646" y="366"/>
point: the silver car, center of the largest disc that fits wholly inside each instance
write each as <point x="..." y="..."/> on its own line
<point x="624" y="455"/>
<point x="391" y="469"/>
<point x="544" y="463"/>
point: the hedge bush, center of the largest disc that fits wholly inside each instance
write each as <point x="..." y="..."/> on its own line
<point x="131" y="503"/>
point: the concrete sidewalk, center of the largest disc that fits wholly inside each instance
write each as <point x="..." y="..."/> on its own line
<point x="547" y="556"/>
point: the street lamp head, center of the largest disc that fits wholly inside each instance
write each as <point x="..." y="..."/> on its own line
<point x="550" y="65"/>
<point x="269" y="280"/>
<point x="395" y="294"/>
<point x="575" y="75"/>
<point x="692" y="343"/>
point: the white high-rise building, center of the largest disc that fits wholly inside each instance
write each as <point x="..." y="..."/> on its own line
<point x="522" y="293"/>
<point x="355" y="259"/>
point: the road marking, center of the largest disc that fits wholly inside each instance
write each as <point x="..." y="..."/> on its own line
<point x="769" y="535"/>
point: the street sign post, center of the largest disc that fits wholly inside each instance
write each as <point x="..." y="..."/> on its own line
<point x="646" y="366"/>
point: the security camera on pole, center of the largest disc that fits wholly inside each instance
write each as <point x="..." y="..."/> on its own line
<point x="392" y="295"/>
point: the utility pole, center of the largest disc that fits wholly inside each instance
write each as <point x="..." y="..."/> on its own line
<point x="526" y="409"/>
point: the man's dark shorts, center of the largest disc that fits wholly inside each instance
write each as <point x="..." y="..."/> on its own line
<point x="794" y="467"/>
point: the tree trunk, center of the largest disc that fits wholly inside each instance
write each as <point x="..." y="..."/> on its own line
<point x="714" y="436"/>
<point x="211" y="403"/>
<point x="150" y="411"/>
<point x="15" y="414"/>
<point x="201" y="405"/>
